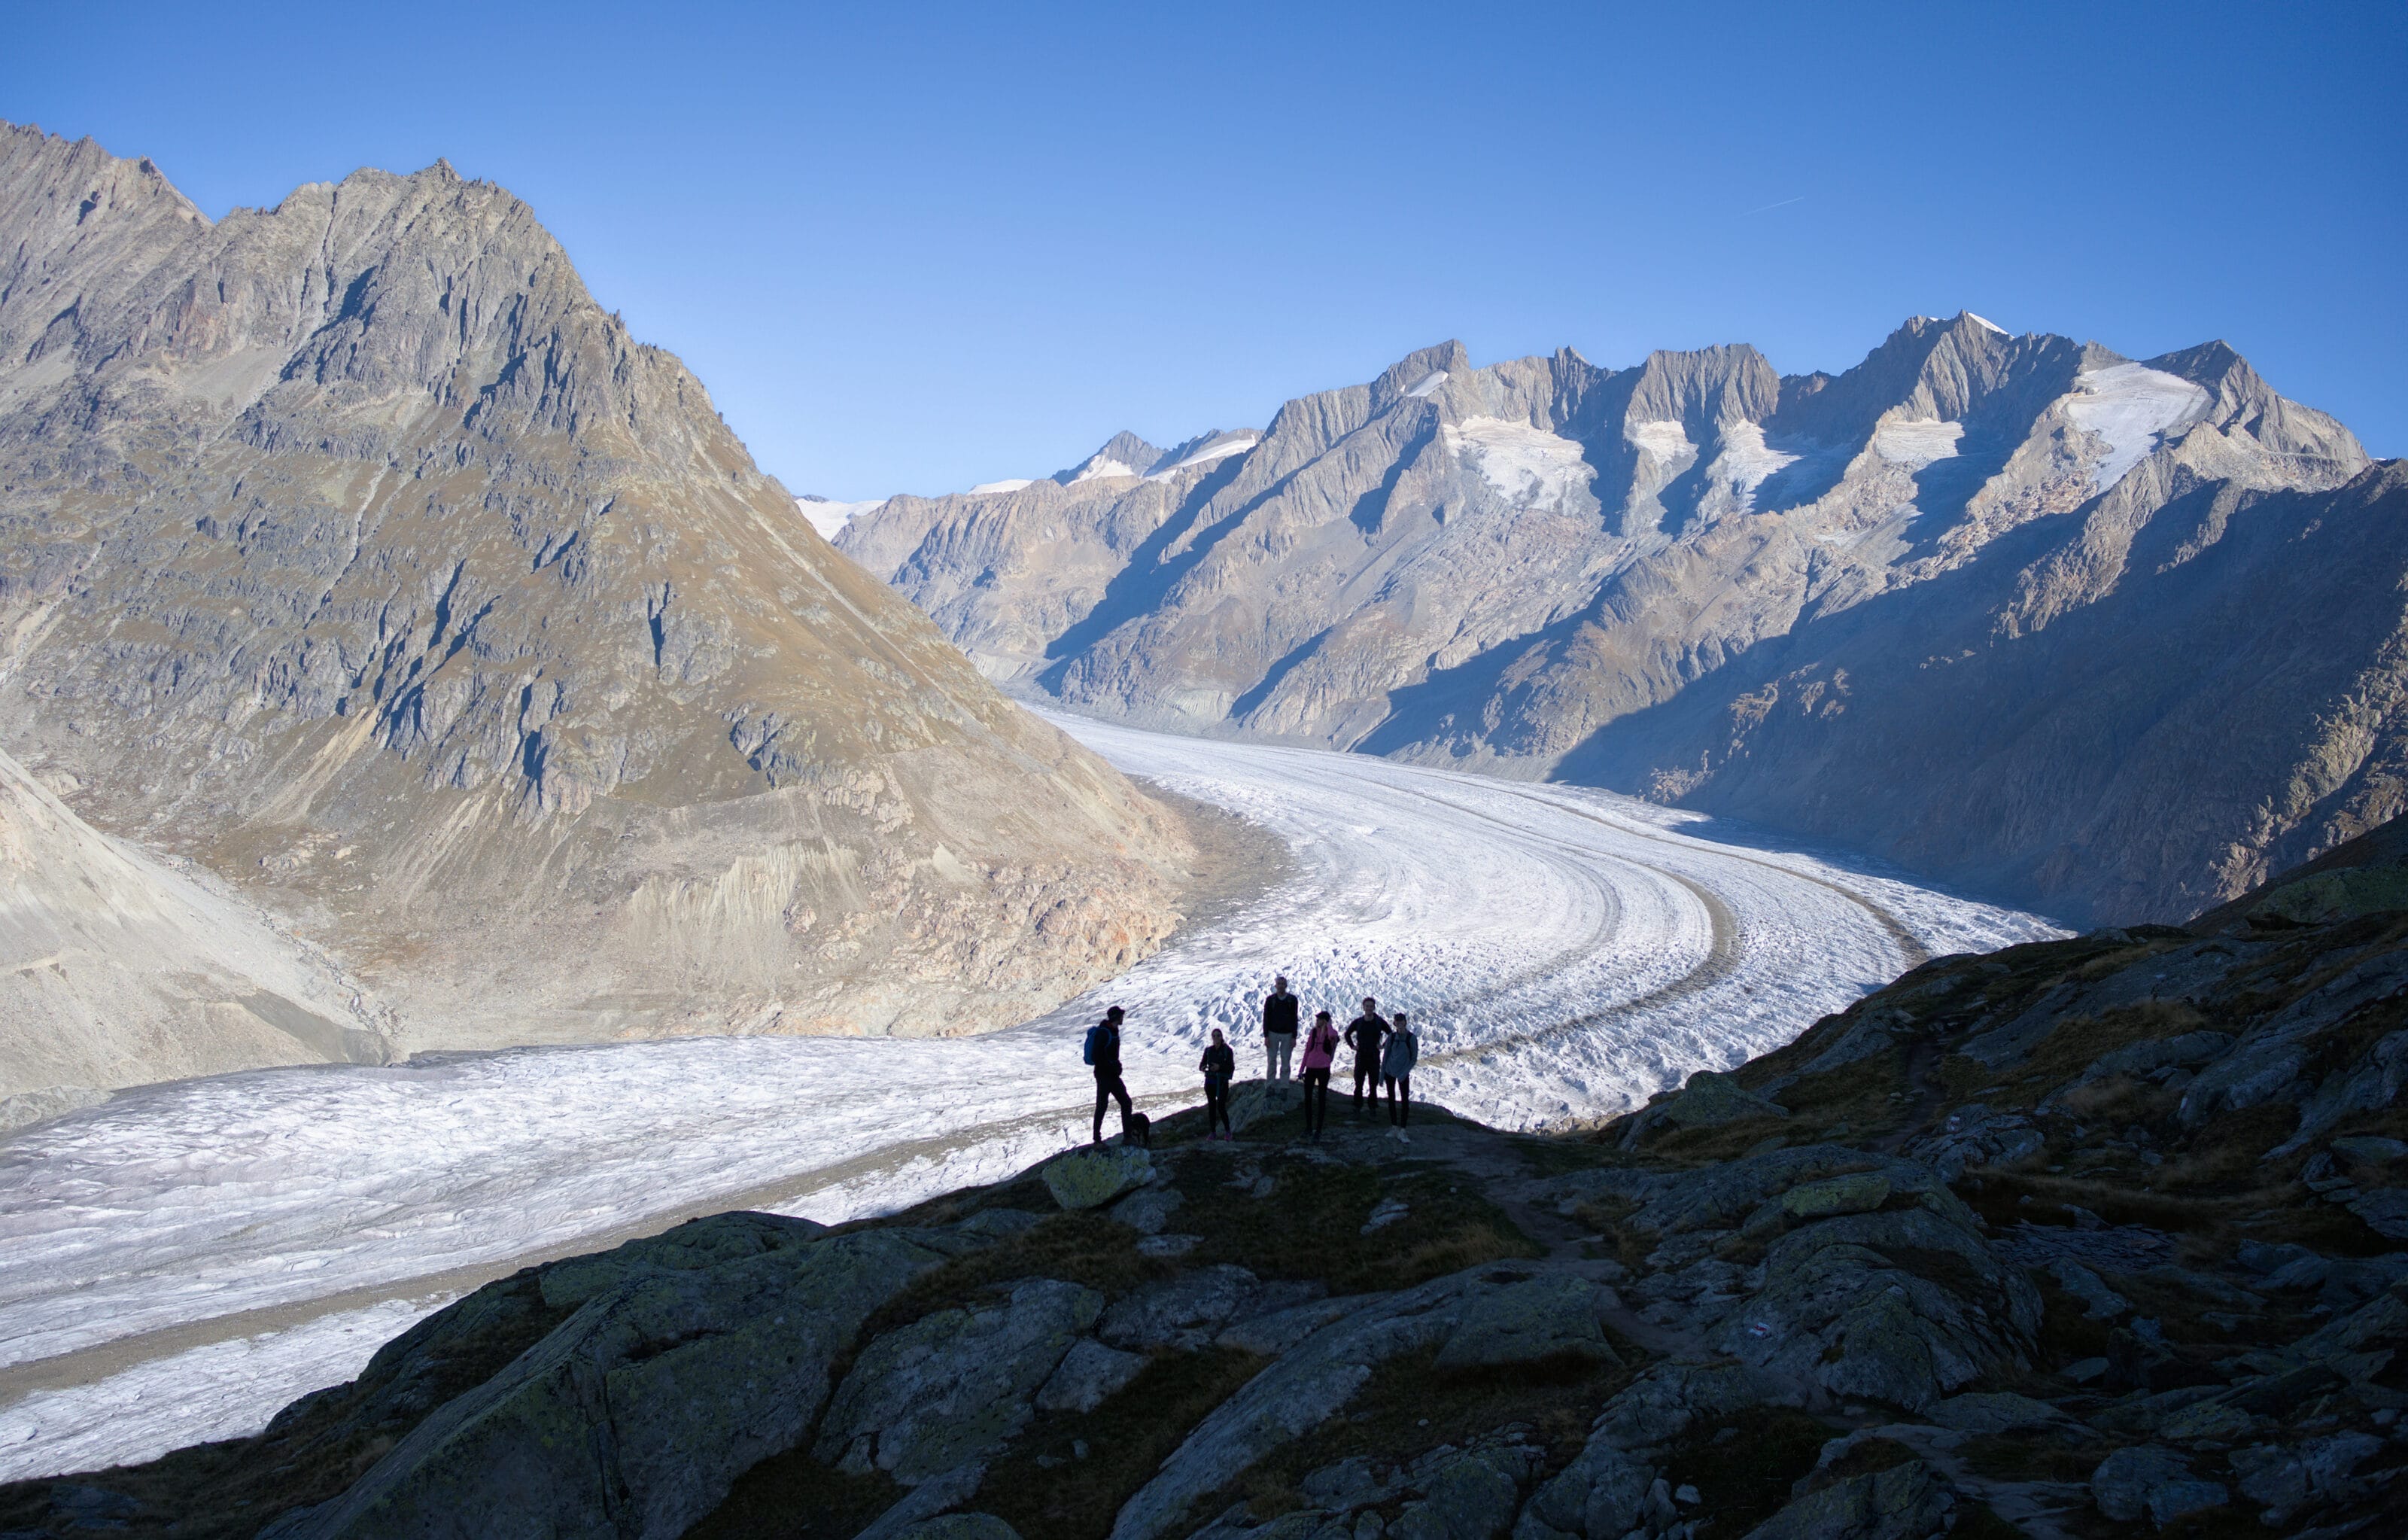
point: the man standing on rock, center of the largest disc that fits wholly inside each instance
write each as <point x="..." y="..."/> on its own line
<point x="1104" y="1053"/>
<point x="1279" y="1030"/>
<point x="1364" y="1034"/>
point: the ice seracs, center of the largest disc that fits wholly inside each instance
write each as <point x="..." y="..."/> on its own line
<point x="1527" y="466"/>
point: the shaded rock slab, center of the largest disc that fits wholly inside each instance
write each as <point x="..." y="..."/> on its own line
<point x="952" y="1387"/>
<point x="635" y="1417"/>
<point x="1088" y="1178"/>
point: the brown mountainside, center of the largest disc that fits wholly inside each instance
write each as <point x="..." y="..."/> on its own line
<point x="350" y="549"/>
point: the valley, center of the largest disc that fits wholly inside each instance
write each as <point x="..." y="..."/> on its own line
<point x="183" y="1260"/>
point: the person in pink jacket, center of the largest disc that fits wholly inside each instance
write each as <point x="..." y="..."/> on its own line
<point x="1320" y="1052"/>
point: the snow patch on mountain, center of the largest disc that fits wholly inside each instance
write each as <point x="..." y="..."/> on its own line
<point x="1985" y="320"/>
<point x="1099" y="468"/>
<point x="828" y="516"/>
<point x="2132" y="406"/>
<point x="1668" y="442"/>
<point x="1219" y="450"/>
<point x="1429" y="383"/>
<point x="1916" y="445"/>
<point x="985" y="489"/>
<point x="1527" y="466"/>
<point x="1747" y="460"/>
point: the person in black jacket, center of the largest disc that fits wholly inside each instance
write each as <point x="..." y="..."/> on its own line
<point x="1104" y="1053"/>
<point x="1364" y="1034"/>
<point x="1279" y="1030"/>
<point x="1218" y="1065"/>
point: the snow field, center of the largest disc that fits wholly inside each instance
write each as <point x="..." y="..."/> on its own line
<point x="1564" y="952"/>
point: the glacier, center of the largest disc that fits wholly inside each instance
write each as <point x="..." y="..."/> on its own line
<point x="180" y="1262"/>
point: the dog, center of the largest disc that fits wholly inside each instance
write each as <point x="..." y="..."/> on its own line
<point x="1138" y="1128"/>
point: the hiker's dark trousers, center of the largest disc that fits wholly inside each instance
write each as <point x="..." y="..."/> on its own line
<point x="1400" y="1100"/>
<point x="1108" y="1085"/>
<point x="1316" y="1099"/>
<point x="1216" y="1103"/>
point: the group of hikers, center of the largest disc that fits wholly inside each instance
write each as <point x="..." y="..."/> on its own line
<point x="1386" y="1049"/>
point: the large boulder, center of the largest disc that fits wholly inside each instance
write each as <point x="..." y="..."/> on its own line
<point x="1085" y="1178"/>
<point x="1189" y="1309"/>
<point x="1302" y="1389"/>
<point x="1907" y="1502"/>
<point x="953" y="1385"/>
<point x="1612" y="1486"/>
<point x="1856" y="1305"/>
<point x="1088" y="1376"/>
<point x="633" y="1417"/>
<point x="1541" y="1320"/>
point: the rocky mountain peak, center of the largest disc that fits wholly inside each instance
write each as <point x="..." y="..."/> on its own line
<point x="441" y="578"/>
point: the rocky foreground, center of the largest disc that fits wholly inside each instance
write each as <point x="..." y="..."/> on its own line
<point x="2086" y="1237"/>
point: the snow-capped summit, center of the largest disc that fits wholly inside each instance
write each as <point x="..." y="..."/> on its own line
<point x="1980" y="604"/>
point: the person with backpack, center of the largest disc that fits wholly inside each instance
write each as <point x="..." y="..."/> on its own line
<point x="1103" y="1053"/>
<point x="1218" y="1065"/>
<point x="1279" y="1030"/>
<point x="1364" y="1034"/>
<point x="1320" y="1052"/>
<point x="1397" y="1061"/>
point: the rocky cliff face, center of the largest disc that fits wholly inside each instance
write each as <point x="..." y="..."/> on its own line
<point x="348" y="549"/>
<point x="2095" y="634"/>
<point x="2076" y="1238"/>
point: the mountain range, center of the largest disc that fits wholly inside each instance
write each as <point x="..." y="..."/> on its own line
<point x="352" y="554"/>
<point x="2094" y="634"/>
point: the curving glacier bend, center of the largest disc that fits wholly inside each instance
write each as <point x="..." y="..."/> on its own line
<point x="179" y="1263"/>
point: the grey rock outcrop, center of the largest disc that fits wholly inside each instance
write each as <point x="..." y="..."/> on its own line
<point x="589" y="1427"/>
<point x="952" y="1387"/>
<point x="1848" y="606"/>
<point x="350" y="550"/>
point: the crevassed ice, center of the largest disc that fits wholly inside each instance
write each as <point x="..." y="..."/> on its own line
<point x="1527" y="466"/>
<point x="1667" y="441"/>
<point x="1551" y="940"/>
<point x="1916" y="445"/>
<point x="2132" y="406"/>
<point x="1429" y="383"/>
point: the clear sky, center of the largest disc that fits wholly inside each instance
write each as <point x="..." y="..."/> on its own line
<point x="909" y="248"/>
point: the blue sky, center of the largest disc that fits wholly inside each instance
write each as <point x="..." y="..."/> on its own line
<point x="909" y="248"/>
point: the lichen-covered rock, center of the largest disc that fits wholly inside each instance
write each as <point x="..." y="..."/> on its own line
<point x="635" y="1417"/>
<point x="1087" y="1376"/>
<point x="953" y="1385"/>
<point x="1709" y="1100"/>
<point x="2124" y="1481"/>
<point x="1860" y="1192"/>
<point x="1306" y="1386"/>
<point x="1148" y="1209"/>
<point x="1084" y="1178"/>
<point x="1189" y="1309"/>
<point x="1907" y="1502"/>
<point x="1540" y="1320"/>
<point x="1855" y="1306"/>
<point x="697" y="1244"/>
<point x="2283" y="1479"/>
<point x="961" y="1526"/>
<point x="1611" y="1485"/>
